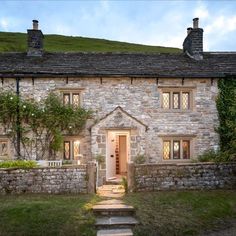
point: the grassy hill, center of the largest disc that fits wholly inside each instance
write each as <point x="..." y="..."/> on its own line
<point x="17" y="42"/>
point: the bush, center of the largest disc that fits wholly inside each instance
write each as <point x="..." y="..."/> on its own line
<point x="125" y="184"/>
<point x="140" y="159"/>
<point x="217" y="156"/>
<point x="18" y="164"/>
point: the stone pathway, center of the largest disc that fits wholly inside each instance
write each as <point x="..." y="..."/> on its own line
<point x="113" y="217"/>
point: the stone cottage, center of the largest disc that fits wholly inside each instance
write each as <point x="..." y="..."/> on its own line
<point x="157" y="105"/>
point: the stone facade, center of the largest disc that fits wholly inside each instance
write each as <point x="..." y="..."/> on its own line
<point x="134" y="105"/>
<point x="182" y="176"/>
<point x="79" y="179"/>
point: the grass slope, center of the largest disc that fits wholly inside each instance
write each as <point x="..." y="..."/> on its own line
<point x="183" y="213"/>
<point x="17" y="42"/>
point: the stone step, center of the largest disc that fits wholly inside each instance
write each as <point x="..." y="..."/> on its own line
<point x="110" y="202"/>
<point x="113" y="209"/>
<point x="115" y="232"/>
<point x="115" y="221"/>
<point x="114" y="182"/>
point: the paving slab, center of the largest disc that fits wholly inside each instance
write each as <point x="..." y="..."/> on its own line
<point x="113" y="207"/>
<point x="116" y="220"/>
<point x="110" y="202"/>
<point x="115" y="232"/>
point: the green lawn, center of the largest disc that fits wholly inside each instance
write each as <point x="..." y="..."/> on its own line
<point x="182" y="213"/>
<point x="47" y="215"/>
<point x="160" y="213"/>
<point x="17" y="42"/>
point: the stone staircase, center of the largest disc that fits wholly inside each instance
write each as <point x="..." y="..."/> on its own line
<point x="113" y="217"/>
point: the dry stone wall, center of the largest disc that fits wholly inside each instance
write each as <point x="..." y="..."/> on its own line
<point x="47" y="180"/>
<point x="182" y="176"/>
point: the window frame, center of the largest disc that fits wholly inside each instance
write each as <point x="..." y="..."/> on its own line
<point x="179" y="91"/>
<point x="181" y="139"/>
<point x="71" y="141"/>
<point x="5" y="140"/>
<point x="71" y="93"/>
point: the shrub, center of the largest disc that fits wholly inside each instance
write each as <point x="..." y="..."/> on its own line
<point x="140" y="159"/>
<point x="100" y="159"/>
<point x="125" y="184"/>
<point x="18" y="164"/>
<point x="217" y="156"/>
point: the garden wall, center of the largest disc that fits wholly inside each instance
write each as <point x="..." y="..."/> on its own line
<point x="76" y="179"/>
<point x="154" y="177"/>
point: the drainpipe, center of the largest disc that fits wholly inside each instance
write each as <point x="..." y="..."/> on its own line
<point x="18" y="133"/>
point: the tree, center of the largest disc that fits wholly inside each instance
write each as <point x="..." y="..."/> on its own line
<point x="42" y="125"/>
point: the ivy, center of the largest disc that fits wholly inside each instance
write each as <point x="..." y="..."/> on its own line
<point x="226" y="106"/>
<point x="42" y="125"/>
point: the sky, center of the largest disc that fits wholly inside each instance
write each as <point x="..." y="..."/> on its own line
<point x="150" y="22"/>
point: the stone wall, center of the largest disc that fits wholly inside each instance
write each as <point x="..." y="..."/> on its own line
<point x="140" y="98"/>
<point x="79" y="179"/>
<point x="181" y="176"/>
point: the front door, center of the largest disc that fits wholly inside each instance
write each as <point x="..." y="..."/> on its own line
<point x="117" y="153"/>
<point x="122" y="155"/>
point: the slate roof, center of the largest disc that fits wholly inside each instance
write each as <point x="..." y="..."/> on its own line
<point x="117" y="64"/>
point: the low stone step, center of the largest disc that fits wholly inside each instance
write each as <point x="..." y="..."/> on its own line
<point x="115" y="221"/>
<point x="113" y="209"/>
<point x="110" y="202"/>
<point x="115" y="232"/>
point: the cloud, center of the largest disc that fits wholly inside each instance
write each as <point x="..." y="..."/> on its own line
<point x="4" y="24"/>
<point x="201" y="11"/>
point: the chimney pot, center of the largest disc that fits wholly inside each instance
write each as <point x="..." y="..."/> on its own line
<point x="195" y="23"/>
<point x="35" y="41"/>
<point x="35" y="25"/>
<point x="189" y="30"/>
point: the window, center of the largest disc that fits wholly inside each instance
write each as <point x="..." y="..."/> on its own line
<point x="3" y="148"/>
<point x="176" y="149"/>
<point x="71" y="150"/>
<point x="71" y="98"/>
<point x="176" y="100"/>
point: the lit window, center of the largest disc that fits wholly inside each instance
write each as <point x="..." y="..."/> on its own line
<point x="185" y="101"/>
<point x="75" y="99"/>
<point x="70" y="98"/>
<point x="67" y="150"/>
<point x="176" y="100"/>
<point x="166" y="150"/>
<point x="186" y="149"/>
<point x="166" y="100"/>
<point x="71" y="145"/>
<point x="76" y="149"/>
<point x="176" y="149"/>
<point x="66" y="98"/>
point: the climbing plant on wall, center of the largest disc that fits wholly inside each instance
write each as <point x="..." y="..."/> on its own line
<point x="41" y="125"/>
<point x="226" y="105"/>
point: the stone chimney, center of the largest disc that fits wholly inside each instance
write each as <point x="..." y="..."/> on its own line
<point x="193" y="43"/>
<point x="35" y="41"/>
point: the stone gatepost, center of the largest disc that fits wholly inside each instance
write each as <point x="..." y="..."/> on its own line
<point x="91" y="177"/>
<point x="131" y="176"/>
